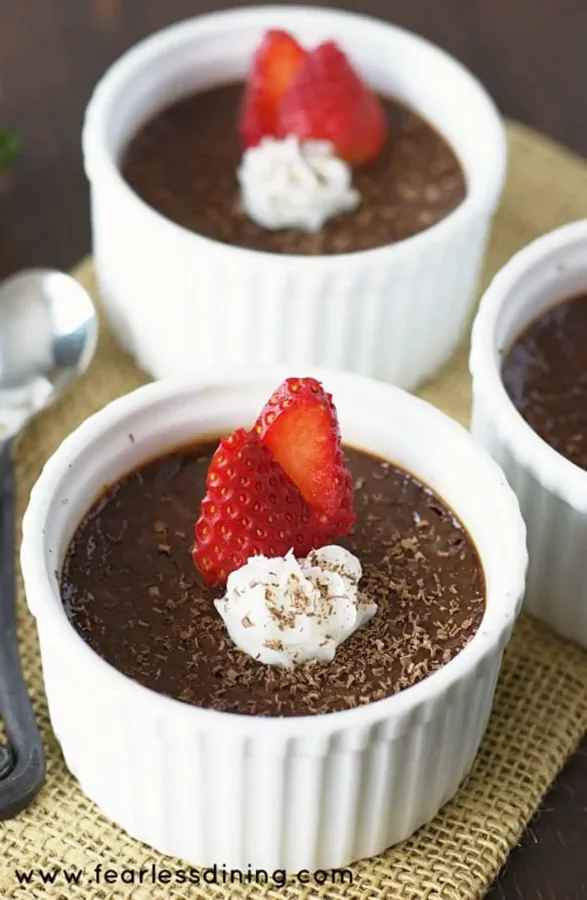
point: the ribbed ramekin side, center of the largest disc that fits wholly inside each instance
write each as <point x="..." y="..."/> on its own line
<point x="396" y="314"/>
<point x="238" y="800"/>
<point x="556" y="589"/>
<point x="374" y="788"/>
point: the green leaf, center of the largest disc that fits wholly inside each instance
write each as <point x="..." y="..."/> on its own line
<point x="9" y="147"/>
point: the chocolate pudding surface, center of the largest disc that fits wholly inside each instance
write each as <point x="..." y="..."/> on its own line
<point x="131" y="590"/>
<point x="545" y="375"/>
<point x="184" y="162"/>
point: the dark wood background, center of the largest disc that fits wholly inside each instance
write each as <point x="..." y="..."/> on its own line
<point x="531" y="54"/>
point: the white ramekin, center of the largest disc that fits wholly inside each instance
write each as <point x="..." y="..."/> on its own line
<point x="180" y="302"/>
<point x="307" y="792"/>
<point x="552" y="490"/>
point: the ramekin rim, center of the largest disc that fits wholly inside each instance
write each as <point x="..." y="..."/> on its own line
<point x="482" y="199"/>
<point x="550" y="468"/>
<point x="432" y="688"/>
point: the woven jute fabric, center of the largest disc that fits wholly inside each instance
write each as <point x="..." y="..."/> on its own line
<point x="540" y="709"/>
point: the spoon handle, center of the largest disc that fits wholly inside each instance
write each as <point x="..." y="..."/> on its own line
<point x="22" y="761"/>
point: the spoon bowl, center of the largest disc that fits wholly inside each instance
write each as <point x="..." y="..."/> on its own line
<point x="48" y="334"/>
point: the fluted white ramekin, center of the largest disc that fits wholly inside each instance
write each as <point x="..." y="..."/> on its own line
<point x="180" y="302"/>
<point x="552" y="490"/>
<point x="293" y="793"/>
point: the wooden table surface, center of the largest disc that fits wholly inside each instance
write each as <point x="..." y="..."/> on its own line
<point x="531" y="54"/>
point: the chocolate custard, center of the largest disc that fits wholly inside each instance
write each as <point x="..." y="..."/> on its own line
<point x="545" y="374"/>
<point x="131" y="590"/>
<point x="183" y="163"/>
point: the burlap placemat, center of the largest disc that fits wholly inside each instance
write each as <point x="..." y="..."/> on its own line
<point x="540" y="709"/>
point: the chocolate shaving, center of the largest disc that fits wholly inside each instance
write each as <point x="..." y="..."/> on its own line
<point x="142" y="606"/>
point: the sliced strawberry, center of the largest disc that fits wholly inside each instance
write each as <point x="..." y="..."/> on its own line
<point x="251" y="507"/>
<point x="274" y="66"/>
<point x="328" y="529"/>
<point x="327" y="100"/>
<point x="300" y="427"/>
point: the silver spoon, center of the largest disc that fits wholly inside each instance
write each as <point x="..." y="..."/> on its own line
<point x="48" y="334"/>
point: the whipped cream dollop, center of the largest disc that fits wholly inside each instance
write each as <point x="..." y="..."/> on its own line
<point x="283" y="611"/>
<point x="292" y="184"/>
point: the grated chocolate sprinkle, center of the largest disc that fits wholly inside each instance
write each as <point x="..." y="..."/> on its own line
<point x="146" y="611"/>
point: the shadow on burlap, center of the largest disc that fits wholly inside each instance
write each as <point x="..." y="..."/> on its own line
<point x="541" y="704"/>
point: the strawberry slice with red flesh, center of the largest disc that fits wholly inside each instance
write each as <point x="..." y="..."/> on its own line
<point x="299" y="425"/>
<point x="327" y="100"/>
<point x="251" y="508"/>
<point x="328" y="529"/>
<point x="274" y="67"/>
